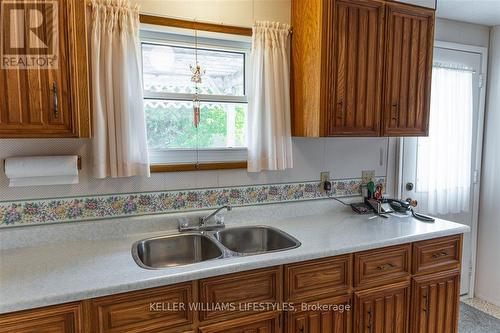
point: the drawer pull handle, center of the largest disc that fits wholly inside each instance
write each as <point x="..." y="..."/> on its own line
<point x="55" y="100"/>
<point x="340" y="113"/>
<point x="370" y="320"/>
<point x="439" y="254"/>
<point x="301" y="330"/>
<point x="385" y="267"/>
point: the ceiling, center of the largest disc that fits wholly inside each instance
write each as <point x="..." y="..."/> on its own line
<point x="485" y="12"/>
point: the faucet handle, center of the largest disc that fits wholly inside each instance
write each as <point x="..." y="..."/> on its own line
<point x="183" y="223"/>
<point x="219" y="219"/>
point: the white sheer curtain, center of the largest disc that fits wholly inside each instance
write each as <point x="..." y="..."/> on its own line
<point x="119" y="129"/>
<point x="444" y="158"/>
<point x="269" y="129"/>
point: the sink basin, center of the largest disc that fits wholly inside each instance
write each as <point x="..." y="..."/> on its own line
<point x="175" y="250"/>
<point x="256" y="239"/>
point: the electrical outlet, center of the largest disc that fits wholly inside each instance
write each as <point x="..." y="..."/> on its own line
<point x="324" y="176"/>
<point x="368" y="176"/>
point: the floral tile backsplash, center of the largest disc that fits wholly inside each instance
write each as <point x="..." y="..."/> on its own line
<point x="33" y="212"/>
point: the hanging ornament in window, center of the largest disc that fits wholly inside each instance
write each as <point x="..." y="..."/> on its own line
<point x="197" y="71"/>
<point x="196" y="79"/>
<point x="196" y="112"/>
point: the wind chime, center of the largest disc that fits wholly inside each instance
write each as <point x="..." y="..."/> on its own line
<point x="196" y="79"/>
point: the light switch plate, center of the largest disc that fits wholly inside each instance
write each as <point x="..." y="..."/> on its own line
<point x="368" y="176"/>
<point x="324" y="176"/>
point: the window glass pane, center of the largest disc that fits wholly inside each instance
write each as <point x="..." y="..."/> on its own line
<point x="167" y="69"/>
<point x="170" y="125"/>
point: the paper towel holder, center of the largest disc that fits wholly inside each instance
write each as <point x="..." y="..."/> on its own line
<point x="78" y="163"/>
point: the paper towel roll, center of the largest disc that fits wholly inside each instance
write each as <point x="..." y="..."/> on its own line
<point x="41" y="170"/>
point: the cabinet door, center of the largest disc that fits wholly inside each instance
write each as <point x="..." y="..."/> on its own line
<point x="66" y="318"/>
<point x="41" y="102"/>
<point x="357" y="59"/>
<point x="269" y="322"/>
<point x="326" y="320"/>
<point x="382" y="310"/>
<point x="408" y="69"/>
<point x="435" y="303"/>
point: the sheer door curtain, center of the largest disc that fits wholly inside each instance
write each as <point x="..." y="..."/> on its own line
<point x="119" y="128"/>
<point x="444" y="158"/>
<point x="269" y="125"/>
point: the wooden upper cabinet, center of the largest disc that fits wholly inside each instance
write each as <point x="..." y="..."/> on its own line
<point x="358" y="51"/>
<point x="49" y="102"/>
<point x="408" y="68"/>
<point x="360" y="68"/>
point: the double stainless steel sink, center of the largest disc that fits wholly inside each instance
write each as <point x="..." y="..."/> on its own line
<point x="193" y="247"/>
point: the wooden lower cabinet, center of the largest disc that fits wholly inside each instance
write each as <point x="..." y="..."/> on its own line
<point x="388" y="296"/>
<point x="269" y="322"/>
<point x="66" y="318"/>
<point x="383" y="309"/>
<point x="326" y="320"/>
<point x="435" y="303"/>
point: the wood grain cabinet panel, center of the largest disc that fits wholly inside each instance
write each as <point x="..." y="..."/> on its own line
<point x="66" y="318"/>
<point x="317" y="278"/>
<point x="356" y="90"/>
<point x="153" y="310"/>
<point x="261" y="323"/>
<point x="435" y="303"/>
<point x="323" y="320"/>
<point x="437" y="254"/>
<point x="382" y="309"/>
<point x="408" y="68"/>
<point x="382" y="266"/>
<point x="50" y="102"/>
<point x="221" y="292"/>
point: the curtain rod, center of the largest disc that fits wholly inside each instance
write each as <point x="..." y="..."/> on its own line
<point x="455" y="68"/>
<point x="89" y="4"/>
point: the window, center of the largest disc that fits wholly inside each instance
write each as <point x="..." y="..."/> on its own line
<point x="168" y="97"/>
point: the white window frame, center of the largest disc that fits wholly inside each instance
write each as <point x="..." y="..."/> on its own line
<point x="209" y="41"/>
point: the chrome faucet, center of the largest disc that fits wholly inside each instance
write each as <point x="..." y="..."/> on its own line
<point x="203" y="221"/>
<point x="218" y="220"/>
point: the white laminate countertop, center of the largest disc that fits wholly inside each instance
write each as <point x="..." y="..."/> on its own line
<point x="56" y="273"/>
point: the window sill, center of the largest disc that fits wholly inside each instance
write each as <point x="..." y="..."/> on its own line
<point x="197" y="167"/>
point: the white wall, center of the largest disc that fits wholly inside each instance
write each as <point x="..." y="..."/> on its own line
<point x="344" y="158"/>
<point x="488" y="252"/>
<point x="231" y="12"/>
<point x="461" y="32"/>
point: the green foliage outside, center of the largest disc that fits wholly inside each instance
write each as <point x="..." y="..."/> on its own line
<point x="171" y="127"/>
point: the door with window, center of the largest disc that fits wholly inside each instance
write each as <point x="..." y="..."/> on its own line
<point x="441" y="171"/>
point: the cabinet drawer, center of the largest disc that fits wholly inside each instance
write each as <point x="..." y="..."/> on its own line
<point x="64" y="318"/>
<point x="437" y="254"/>
<point x="381" y="266"/>
<point x="226" y="296"/>
<point x="317" y="278"/>
<point x="268" y="322"/>
<point x="151" y="310"/>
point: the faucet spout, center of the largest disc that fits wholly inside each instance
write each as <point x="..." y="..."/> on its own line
<point x="204" y="220"/>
